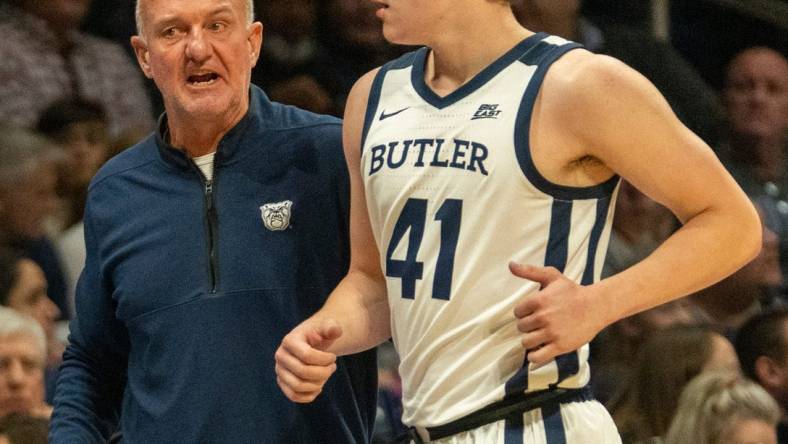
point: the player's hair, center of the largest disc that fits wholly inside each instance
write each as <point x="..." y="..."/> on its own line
<point x="249" y="6"/>
<point x="762" y="335"/>
<point x="712" y="405"/>
<point x="13" y="323"/>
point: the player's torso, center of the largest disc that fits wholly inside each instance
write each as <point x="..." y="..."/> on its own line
<point x="452" y="198"/>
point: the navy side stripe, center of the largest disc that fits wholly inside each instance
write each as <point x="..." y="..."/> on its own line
<point x="513" y="429"/>
<point x="556" y="256"/>
<point x="553" y="424"/>
<point x="602" y="207"/>
<point x="558" y="241"/>
<point x="557" y="252"/>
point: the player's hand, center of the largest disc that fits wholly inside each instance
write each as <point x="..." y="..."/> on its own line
<point x="559" y="318"/>
<point x="302" y="363"/>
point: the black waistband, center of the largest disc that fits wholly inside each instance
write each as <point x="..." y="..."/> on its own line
<point x="500" y="410"/>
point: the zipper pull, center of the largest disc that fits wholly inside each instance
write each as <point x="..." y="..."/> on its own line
<point x="209" y="193"/>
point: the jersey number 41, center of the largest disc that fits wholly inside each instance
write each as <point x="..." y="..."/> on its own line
<point x="414" y="217"/>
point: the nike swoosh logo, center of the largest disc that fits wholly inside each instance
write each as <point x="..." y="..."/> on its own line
<point x="384" y="116"/>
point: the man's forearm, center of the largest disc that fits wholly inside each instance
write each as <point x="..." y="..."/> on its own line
<point x="360" y="306"/>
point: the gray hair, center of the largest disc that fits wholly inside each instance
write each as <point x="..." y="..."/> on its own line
<point x="22" y="152"/>
<point x="713" y="402"/>
<point x="13" y="323"/>
<point x="140" y="23"/>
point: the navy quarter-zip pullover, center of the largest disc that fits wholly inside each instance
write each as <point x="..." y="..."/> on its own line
<point x="186" y="293"/>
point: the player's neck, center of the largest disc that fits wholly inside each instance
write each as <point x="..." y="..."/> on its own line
<point x="459" y="55"/>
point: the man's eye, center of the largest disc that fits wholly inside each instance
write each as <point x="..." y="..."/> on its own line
<point x="169" y="32"/>
<point x="217" y="26"/>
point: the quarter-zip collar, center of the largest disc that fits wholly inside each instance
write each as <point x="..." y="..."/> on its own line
<point x="228" y="147"/>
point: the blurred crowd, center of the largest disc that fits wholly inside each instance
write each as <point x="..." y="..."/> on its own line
<point x="72" y="97"/>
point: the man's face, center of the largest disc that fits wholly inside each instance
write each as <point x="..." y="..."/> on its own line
<point x="21" y="375"/>
<point x="756" y="93"/>
<point x="200" y="53"/>
<point x="29" y="296"/>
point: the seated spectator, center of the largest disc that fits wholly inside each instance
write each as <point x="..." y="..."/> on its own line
<point x="727" y="304"/>
<point x="44" y="57"/>
<point x="724" y="408"/>
<point x="23" y="288"/>
<point x="754" y="149"/>
<point x="290" y="35"/>
<point x="22" y="360"/>
<point x="80" y="128"/>
<point x="23" y="429"/>
<point x="28" y="177"/>
<point x="351" y="43"/>
<point x="667" y="362"/>
<point x="617" y="347"/>
<point x="762" y="346"/>
<point x="639" y="227"/>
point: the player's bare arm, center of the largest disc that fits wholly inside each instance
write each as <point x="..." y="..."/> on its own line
<point x="612" y="119"/>
<point x="356" y="315"/>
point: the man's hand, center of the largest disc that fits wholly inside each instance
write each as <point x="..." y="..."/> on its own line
<point x="559" y="318"/>
<point x="302" y="363"/>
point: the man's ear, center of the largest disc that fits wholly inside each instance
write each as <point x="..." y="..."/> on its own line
<point x="768" y="372"/>
<point x="255" y="41"/>
<point x="141" y="51"/>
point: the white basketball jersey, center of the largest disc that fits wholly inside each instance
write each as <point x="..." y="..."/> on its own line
<point x="453" y="196"/>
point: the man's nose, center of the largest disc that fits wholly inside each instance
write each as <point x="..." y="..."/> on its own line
<point x="198" y="49"/>
<point x="14" y="375"/>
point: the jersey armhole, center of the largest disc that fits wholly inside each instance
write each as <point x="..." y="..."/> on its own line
<point x="522" y="130"/>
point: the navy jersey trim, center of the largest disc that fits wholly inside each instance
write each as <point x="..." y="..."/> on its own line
<point x="602" y="207"/>
<point x="544" y="56"/>
<point x="556" y="256"/>
<point x="377" y="86"/>
<point x="429" y="96"/>
<point x="555" y="432"/>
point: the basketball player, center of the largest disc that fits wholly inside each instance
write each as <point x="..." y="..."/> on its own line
<point x="490" y="146"/>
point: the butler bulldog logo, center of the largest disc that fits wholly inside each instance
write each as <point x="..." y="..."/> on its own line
<point x="276" y="216"/>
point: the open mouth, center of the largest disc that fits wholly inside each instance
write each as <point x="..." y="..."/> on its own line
<point x="203" y="79"/>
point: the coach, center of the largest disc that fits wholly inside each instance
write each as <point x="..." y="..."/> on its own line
<point x="206" y="243"/>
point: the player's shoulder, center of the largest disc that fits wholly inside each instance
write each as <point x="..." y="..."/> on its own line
<point x="582" y="79"/>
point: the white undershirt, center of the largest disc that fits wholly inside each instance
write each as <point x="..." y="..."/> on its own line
<point x="205" y="163"/>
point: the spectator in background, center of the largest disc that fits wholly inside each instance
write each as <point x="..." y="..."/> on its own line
<point x="80" y="128"/>
<point x="729" y="303"/>
<point x="23" y="429"/>
<point x="352" y="43"/>
<point x="615" y="349"/>
<point x="723" y="408"/>
<point x="693" y="101"/>
<point x="44" y="57"/>
<point x="639" y="227"/>
<point x="762" y="346"/>
<point x="290" y="36"/>
<point x="667" y="362"/>
<point x="754" y="150"/>
<point x="23" y="288"/>
<point x="22" y="362"/>
<point x="28" y="178"/>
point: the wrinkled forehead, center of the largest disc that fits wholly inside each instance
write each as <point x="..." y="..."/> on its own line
<point x="19" y="346"/>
